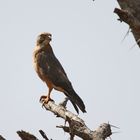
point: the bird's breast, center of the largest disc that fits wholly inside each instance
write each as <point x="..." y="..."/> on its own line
<point x="35" y="60"/>
<point x="39" y="70"/>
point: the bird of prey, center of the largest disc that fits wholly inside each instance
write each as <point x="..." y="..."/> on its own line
<point x="52" y="73"/>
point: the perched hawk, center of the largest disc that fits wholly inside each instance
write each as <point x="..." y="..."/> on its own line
<point x="52" y="73"/>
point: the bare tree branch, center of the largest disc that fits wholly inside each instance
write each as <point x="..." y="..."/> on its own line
<point x="43" y="134"/>
<point x="26" y="136"/>
<point x="77" y="126"/>
<point x="130" y="14"/>
<point x="2" y="138"/>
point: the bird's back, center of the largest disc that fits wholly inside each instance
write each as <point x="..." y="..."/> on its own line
<point x="51" y="71"/>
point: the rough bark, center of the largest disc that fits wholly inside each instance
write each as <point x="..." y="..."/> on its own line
<point x="130" y="14"/>
<point x="43" y="134"/>
<point x="76" y="126"/>
<point x="2" y="138"/>
<point x="28" y="136"/>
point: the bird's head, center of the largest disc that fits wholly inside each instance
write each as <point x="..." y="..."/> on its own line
<point x="44" y="38"/>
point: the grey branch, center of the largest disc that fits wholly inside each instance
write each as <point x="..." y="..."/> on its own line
<point x="26" y="136"/>
<point x="64" y="103"/>
<point x="2" y="138"/>
<point x="76" y="126"/>
<point x="43" y="134"/>
<point x="130" y="14"/>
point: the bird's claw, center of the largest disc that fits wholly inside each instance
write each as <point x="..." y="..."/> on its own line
<point x="44" y="100"/>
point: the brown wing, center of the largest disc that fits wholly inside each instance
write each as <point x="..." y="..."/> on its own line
<point x="54" y="71"/>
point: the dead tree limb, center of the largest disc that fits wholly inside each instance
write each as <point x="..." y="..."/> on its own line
<point x="26" y="136"/>
<point x="130" y="14"/>
<point x="43" y="134"/>
<point x="77" y="126"/>
<point x="2" y="138"/>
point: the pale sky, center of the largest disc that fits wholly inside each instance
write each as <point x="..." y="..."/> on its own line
<point x="87" y="39"/>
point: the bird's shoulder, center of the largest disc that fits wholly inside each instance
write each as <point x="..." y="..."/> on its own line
<point x="47" y="58"/>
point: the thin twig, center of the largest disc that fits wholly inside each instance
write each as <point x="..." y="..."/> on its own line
<point x="43" y="134"/>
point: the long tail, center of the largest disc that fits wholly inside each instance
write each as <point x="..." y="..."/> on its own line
<point x="75" y="100"/>
<point x="75" y="106"/>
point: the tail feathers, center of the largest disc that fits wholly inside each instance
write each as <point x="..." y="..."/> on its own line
<point x="75" y="100"/>
<point x="75" y="106"/>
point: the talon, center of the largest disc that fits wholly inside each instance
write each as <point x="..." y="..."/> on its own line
<point x="45" y="99"/>
<point x="43" y="103"/>
<point x="42" y="98"/>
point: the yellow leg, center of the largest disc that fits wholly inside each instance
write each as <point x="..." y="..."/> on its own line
<point x="46" y="99"/>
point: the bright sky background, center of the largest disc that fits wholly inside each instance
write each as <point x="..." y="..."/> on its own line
<point x="87" y="37"/>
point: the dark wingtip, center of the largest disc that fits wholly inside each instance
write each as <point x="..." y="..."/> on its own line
<point x="85" y="111"/>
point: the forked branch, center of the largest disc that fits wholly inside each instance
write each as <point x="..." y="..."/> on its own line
<point x="76" y="126"/>
<point x="130" y="14"/>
